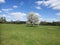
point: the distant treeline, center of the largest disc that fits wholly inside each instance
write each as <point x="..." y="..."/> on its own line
<point x="3" y="20"/>
<point x="50" y="23"/>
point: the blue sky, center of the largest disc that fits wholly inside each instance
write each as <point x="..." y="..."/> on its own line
<point x="49" y="10"/>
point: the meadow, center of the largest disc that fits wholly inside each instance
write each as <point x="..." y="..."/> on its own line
<point x="20" y="34"/>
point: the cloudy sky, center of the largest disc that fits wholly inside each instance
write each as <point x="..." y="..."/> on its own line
<point x="49" y="10"/>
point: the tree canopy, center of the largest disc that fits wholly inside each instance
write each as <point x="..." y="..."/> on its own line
<point x="33" y="18"/>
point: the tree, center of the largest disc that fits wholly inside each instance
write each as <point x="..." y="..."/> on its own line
<point x="2" y="20"/>
<point x="33" y="18"/>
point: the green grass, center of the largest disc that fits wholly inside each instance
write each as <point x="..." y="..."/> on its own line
<point x="20" y="34"/>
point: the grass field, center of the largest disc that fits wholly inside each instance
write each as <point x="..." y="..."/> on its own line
<point x="20" y="34"/>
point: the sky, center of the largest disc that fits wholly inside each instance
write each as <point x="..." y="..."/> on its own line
<point x="48" y="10"/>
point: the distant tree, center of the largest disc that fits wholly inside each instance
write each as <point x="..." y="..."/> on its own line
<point x="43" y="23"/>
<point x="56" y="23"/>
<point x="2" y="20"/>
<point x="33" y="19"/>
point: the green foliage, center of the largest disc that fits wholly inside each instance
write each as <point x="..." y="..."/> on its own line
<point x="50" y="23"/>
<point x="2" y="20"/>
<point x="14" y="34"/>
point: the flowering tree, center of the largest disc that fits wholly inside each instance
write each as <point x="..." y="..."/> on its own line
<point x="33" y="18"/>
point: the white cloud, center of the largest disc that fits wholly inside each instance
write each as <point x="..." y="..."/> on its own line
<point x="54" y="4"/>
<point x="7" y="9"/>
<point x="8" y="17"/>
<point x="2" y="1"/>
<point x="15" y="16"/>
<point x="15" y="6"/>
<point x="38" y="14"/>
<point x="39" y="2"/>
<point x="0" y="11"/>
<point x="38" y="7"/>
<point x="58" y="14"/>
<point x="56" y="7"/>
<point x="50" y="20"/>
<point x="18" y="15"/>
<point x="46" y="3"/>
<point x="2" y="15"/>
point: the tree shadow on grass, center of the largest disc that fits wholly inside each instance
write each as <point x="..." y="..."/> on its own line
<point x="31" y="26"/>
